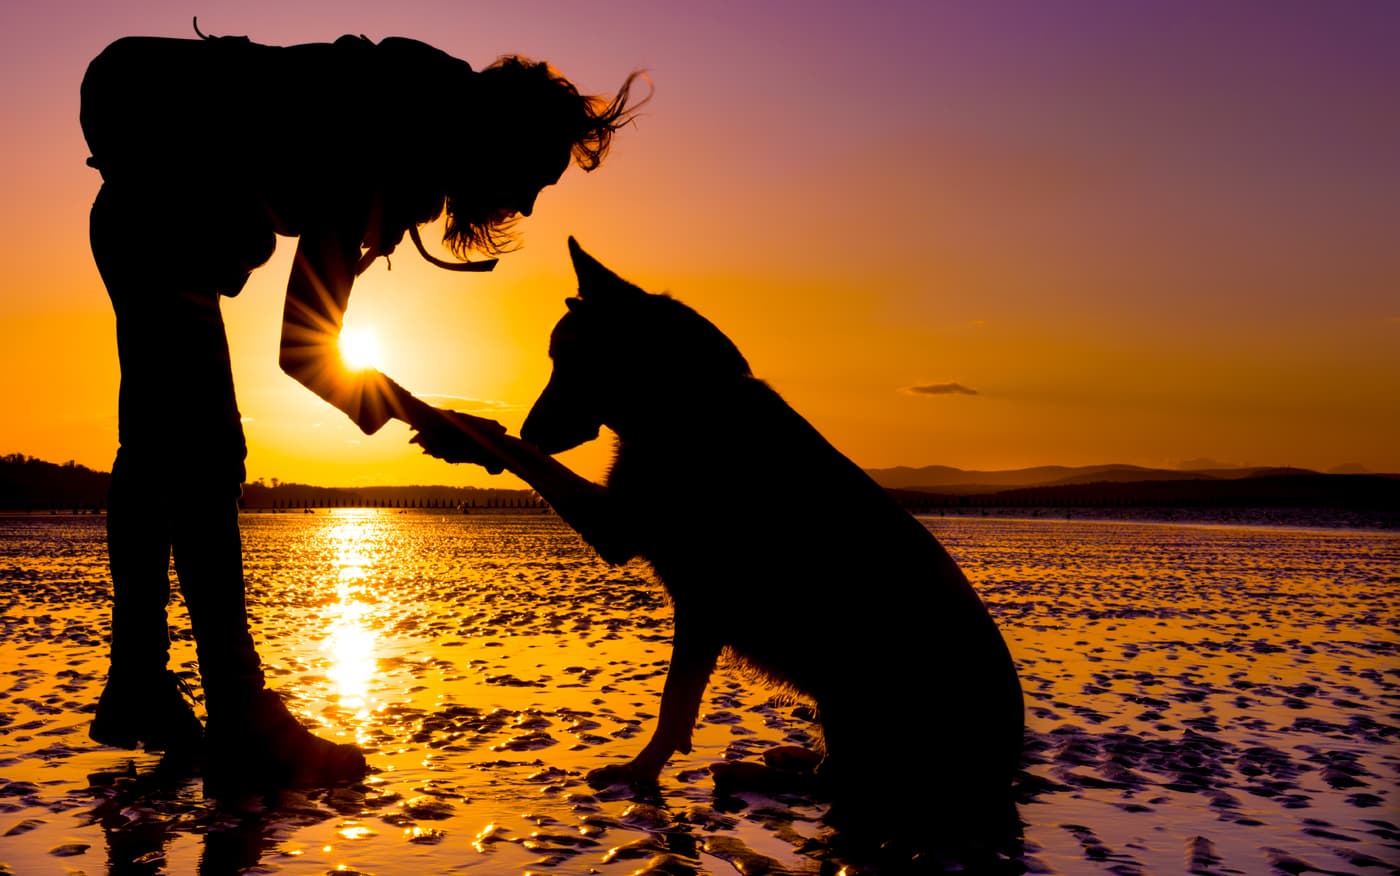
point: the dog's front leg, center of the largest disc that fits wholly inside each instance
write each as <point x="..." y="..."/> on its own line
<point x="584" y="505"/>
<point x="693" y="658"/>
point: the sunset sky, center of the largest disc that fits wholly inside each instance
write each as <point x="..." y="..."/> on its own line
<point x="987" y="235"/>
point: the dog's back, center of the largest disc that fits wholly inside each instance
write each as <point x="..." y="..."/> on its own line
<point x="814" y="575"/>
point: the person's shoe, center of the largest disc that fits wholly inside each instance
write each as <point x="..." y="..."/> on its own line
<point x="267" y="746"/>
<point x="155" y="712"/>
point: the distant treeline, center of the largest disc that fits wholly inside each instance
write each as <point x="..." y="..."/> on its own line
<point x="30" y="484"/>
<point x="262" y="495"/>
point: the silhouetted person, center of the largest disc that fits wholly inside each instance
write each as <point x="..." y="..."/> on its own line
<point x="209" y="148"/>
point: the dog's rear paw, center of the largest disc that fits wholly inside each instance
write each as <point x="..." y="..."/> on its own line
<point x="620" y="774"/>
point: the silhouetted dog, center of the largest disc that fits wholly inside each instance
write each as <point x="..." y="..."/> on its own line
<point x="773" y="545"/>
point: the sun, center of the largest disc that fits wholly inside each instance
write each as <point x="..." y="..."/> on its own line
<point x="359" y="349"/>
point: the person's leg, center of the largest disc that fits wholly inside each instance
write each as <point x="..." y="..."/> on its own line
<point x="138" y="553"/>
<point x="179" y="418"/>
<point x="251" y="736"/>
<point x="203" y="465"/>
<point x="209" y="563"/>
<point x="143" y="703"/>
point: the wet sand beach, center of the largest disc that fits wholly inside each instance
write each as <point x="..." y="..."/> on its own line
<point x="1210" y="699"/>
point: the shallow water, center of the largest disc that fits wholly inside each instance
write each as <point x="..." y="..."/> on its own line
<point x="1206" y="699"/>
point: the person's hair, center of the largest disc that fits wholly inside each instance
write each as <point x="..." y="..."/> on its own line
<point x="465" y="234"/>
<point x="550" y="114"/>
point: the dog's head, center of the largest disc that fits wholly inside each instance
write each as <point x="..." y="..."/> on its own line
<point x="623" y="358"/>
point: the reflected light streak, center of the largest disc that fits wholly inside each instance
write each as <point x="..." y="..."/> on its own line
<point x="350" y="642"/>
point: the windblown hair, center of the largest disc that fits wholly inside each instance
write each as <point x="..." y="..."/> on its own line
<point x="488" y="236"/>
<point x="585" y="122"/>
<point x="550" y="115"/>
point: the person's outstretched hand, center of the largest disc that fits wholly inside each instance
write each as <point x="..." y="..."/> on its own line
<point x="456" y="437"/>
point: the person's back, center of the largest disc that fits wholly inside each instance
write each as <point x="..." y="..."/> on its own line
<point x="307" y="129"/>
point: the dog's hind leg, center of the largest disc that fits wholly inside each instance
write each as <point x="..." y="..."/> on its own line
<point x="893" y="770"/>
<point x="693" y="658"/>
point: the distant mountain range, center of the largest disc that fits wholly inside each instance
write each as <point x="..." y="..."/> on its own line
<point x="957" y="481"/>
<point x="27" y="483"/>
<point x="1375" y="496"/>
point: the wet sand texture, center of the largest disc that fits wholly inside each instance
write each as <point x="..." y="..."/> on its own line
<point x="1210" y="700"/>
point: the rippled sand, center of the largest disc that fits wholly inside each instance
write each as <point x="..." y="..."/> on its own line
<point x="1200" y="699"/>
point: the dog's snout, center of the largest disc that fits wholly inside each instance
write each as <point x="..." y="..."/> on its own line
<point x="558" y="422"/>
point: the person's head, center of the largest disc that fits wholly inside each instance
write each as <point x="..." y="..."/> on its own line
<point x="528" y="123"/>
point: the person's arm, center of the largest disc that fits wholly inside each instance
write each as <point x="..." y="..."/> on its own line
<point x="318" y="292"/>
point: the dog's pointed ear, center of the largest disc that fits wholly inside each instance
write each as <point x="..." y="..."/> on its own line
<point x="594" y="280"/>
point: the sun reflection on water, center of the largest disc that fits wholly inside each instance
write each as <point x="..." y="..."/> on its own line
<point x="351" y="640"/>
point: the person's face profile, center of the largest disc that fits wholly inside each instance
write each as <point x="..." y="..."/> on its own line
<point x="531" y="177"/>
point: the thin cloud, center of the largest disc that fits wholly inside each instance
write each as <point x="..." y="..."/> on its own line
<point x="941" y="389"/>
<point x="467" y="405"/>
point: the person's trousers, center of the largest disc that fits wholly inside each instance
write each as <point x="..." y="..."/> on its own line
<point x="180" y="464"/>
